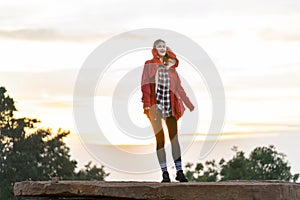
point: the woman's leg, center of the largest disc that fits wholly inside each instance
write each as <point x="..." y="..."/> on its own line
<point x="160" y="141"/>
<point x="173" y="135"/>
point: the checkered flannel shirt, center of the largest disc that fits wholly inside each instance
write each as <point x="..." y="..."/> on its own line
<point x="163" y="92"/>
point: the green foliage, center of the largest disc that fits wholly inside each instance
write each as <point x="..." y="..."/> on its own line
<point x="207" y="173"/>
<point x="27" y="153"/>
<point x="91" y="173"/>
<point x="237" y="168"/>
<point x="268" y="164"/>
<point x="264" y="163"/>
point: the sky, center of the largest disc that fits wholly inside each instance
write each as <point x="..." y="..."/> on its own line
<point x="254" y="45"/>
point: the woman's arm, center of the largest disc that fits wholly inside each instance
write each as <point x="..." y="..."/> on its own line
<point x="186" y="100"/>
<point x="145" y="86"/>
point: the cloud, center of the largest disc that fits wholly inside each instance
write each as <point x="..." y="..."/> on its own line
<point x="229" y="135"/>
<point x="238" y="133"/>
<point x="94" y="20"/>
<point x="283" y="77"/>
<point x="280" y="35"/>
<point x="56" y="104"/>
<point x="39" y="85"/>
<point x="269" y="124"/>
<point x="39" y="34"/>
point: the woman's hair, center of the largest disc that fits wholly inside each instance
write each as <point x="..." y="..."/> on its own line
<point x="157" y="41"/>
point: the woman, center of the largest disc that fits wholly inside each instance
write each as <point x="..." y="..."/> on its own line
<point x="162" y="99"/>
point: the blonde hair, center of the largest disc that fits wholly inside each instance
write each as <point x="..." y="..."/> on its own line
<point x="157" y="41"/>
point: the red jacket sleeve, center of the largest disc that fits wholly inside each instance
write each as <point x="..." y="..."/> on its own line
<point x="145" y="86"/>
<point x="183" y="95"/>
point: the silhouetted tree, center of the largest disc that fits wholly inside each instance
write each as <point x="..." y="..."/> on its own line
<point x="207" y="173"/>
<point x="91" y="173"/>
<point x="27" y="153"/>
<point x="264" y="163"/>
<point x="238" y="168"/>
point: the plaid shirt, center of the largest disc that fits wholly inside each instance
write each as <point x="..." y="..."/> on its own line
<point x="163" y="92"/>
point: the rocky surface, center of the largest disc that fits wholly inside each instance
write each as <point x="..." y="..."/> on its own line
<point x="233" y="190"/>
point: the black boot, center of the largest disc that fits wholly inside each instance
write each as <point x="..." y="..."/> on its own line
<point x="180" y="176"/>
<point x="166" y="177"/>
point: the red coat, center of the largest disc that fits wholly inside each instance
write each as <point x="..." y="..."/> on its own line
<point x="177" y="93"/>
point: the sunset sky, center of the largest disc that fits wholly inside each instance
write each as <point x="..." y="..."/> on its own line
<point x="254" y="45"/>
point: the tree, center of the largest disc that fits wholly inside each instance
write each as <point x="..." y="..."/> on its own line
<point x="237" y="168"/>
<point x="27" y="153"/>
<point x="207" y="173"/>
<point x="91" y="173"/>
<point x="264" y="163"/>
<point x="268" y="164"/>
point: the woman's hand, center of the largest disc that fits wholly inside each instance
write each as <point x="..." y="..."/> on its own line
<point x="171" y="62"/>
<point x="147" y="112"/>
<point x="192" y="108"/>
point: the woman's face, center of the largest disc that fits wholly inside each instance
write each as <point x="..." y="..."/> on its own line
<point x="161" y="48"/>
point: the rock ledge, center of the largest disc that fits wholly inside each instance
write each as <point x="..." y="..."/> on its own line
<point x="239" y="190"/>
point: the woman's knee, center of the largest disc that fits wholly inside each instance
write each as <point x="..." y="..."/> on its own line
<point x="160" y="143"/>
